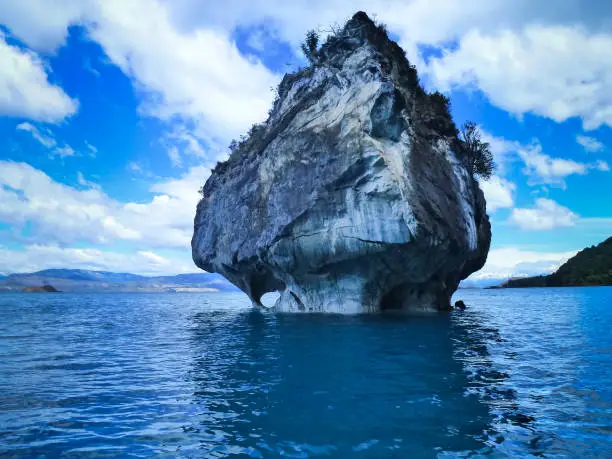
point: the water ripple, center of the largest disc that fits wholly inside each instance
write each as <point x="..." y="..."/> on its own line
<point x="519" y="373"/>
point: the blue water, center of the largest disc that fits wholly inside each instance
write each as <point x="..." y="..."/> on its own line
<point x="520" y="373"/>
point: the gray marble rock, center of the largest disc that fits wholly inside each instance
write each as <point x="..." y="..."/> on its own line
<point x="352" y="197"/>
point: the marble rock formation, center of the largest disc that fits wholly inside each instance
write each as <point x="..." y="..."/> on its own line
<point x="353" y="196"/>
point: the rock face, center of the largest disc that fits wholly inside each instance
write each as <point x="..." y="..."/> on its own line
<point x="353" y="196"/>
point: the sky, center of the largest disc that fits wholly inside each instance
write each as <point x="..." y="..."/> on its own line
<point x="112" y="113"/>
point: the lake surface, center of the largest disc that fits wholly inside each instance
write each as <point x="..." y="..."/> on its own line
<point x="520" y="373"/>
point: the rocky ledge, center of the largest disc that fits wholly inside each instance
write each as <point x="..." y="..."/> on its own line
<point x="353" y="196"/>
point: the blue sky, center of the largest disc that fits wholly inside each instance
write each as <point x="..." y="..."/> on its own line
<point x="113" y="112"/>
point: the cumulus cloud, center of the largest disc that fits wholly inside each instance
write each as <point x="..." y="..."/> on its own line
<point x="543" y="169"/>
<point x="36" y="257"/>
<point x="546" y="215"/>
<point x="526" y="56"/>
<point x="43" y="25"/>
<point x="58" y="213"/>
<point x="590" y="144"/>
<point x="198" y="74"/>
<point x="498" y="192"/>
<point x="540" y="168"/>
<point x="504" y="151"/>
<point x="558" y="72"/>
<point x="25" y="90"/>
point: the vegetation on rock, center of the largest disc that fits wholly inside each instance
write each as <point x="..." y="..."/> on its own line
<point x="477" y="153"/>
<point x="310" y="47"/>
<point x="435" y="107"/>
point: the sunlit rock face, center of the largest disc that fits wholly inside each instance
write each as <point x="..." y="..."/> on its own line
<point x="352" y="197"/>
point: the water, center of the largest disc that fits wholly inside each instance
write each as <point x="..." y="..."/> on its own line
<point x="520" y="373"/>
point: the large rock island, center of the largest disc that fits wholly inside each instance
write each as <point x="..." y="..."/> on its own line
<point x="353" y="196"/>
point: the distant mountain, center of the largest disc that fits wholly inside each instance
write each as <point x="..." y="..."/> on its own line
<point x="82" y="275"/>
<point x="591" y="266"/>
<point x="80" y="280"/>
<point x="41" y="289"/>
<point x="482" y="282"/>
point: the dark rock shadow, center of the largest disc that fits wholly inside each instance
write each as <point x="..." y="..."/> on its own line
<point x="384" y="385"/>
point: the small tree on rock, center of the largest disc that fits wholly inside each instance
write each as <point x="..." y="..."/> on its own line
<point x="477" y="152"/>
<point x="310" y="47"/>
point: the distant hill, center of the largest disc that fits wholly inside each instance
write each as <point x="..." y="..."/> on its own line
<point x="591" y="266"/>
<point x="81" y="280"/>
<point x="42" y="289"/>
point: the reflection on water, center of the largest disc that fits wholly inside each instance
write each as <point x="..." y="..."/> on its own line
<point x="549" y="342"/>
<point x="523" y="372"/>
<point x="298" y="385"/>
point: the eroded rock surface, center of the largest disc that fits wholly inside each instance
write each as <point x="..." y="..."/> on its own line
<point x="353" y="196"/>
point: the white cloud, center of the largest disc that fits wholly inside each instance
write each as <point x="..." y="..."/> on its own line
<point x="185" y="188"/>
<point x="47" y="139"/>
<point x="526" y="56"/>
<point x="43" y="25"/>
<point x="590" y="144"/>
<point x="511" y="262"/>
<point x="504" y="151"/>
<point x="190" y="145"/>
<point x="64" y="151"/>
<point x="25" y="90"/>
<point x="557" y="71"/>
<point x="93" y="151"/>
<point x="86" y="183"/>
<point x="175" y="156"/>
<point x="154" y="258"/>
<point x="499" y="193"/>
<point x="180" y="143"/>
<point x="258" y="40"/>
<point x="423" y="21"/>
<point x="134" y="166"/>
<point x="36" y="257"/>
<point x="545" y="170"/>
<point x="62" y="214"/>
<point x="198" y="74"/>
<point x="546" y="215"/>
<point x="44" y="136"/>
<point x="58" y="212"/>
<point x="540" y="168"/>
